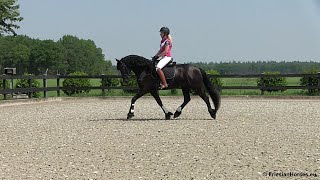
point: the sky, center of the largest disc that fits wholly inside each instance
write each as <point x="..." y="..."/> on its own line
<point x="202" y="30"/>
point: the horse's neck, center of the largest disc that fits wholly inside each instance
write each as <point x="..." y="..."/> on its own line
<point x="139" y="69"/>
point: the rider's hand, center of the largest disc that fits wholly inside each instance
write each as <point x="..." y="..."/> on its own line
<point x="154" y="58"/>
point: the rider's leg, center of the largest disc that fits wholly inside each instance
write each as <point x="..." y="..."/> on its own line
<point x="162" y="63"/>
<point x="162" y="78"/>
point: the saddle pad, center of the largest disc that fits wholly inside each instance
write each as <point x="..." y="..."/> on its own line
<point x="168" y="73"/>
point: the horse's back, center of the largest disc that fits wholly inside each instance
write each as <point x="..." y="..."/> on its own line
<point x="187" y="73"/>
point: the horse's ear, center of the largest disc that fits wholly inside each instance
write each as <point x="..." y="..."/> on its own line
<point x="117" y="60"/>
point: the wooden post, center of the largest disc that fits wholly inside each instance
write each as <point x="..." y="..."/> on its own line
<point x="58" y="85"/>
<point x="262" y="83"/>
<point x="11" y="86"/>
<point x="319" y="83"/>
<point x="44" y="86"/>
<point x="103" y="85"/>
<point x="4" y="87"/>
<point x="30" y="86"/>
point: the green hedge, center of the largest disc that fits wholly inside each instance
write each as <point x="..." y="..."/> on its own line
<point x="132" y="83"/>
<point x="7" y="84"/>
<point x="111" y="81"/>
<point x="217" y="82"/>
<point x="310" y="81"/>
<point x="24" y="83"/>
<point x="76" y="82"/>
<point x="272" y="81"/>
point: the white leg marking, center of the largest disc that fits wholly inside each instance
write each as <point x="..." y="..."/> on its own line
<point x="179" y="109"/>
<point x="132" y="108"/>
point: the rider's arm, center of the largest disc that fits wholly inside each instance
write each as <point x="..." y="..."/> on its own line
<point x="159" y="52"/>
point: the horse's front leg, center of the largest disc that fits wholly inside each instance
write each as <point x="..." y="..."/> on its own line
<point x="133" y="100"/>
<point x="186" y="95"/>
<point x="156" y="96"/>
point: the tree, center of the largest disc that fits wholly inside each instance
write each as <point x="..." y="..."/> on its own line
<point x="20" y="55"/>
<point x="46" y="55"/>
<point x="83" y="55"/>
<point x="9" y="16"/>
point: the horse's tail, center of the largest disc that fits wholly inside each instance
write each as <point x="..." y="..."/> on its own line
<point x="213" y="91"/>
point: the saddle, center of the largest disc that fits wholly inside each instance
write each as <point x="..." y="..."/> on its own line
<point x="168" y="70"/>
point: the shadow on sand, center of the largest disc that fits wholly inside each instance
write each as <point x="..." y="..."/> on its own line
<point x="148" y="119"/>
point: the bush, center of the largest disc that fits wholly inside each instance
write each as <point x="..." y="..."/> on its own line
<point x="24" y="83"/>
<point x="133" y="83"/>
<point x="76" y="82"/>
<point x="272" y="82"/>
<point x="173" y="91"/>
<point x="217" y="82"/>
<point x="310" y="81"/>
<point x="111" y="81"/>
<point x="7" y="83"/>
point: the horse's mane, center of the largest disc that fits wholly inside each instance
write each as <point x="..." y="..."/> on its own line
<point x="135" y="61"/>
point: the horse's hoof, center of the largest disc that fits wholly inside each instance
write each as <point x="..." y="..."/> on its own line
<point x="168" y="115"/>
<point x="130" y="115"/>
<point x="177" y="114"/>
<point x="213" y="113"/>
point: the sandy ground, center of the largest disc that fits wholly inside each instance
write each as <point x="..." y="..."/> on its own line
<point x="91" y="139"/>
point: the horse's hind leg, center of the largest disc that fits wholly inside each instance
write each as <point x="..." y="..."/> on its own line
<point x="186" y="95"/>
<point x="156" y="96"/>
<point x="133" y="100"/>
<point x="203" y="95"/>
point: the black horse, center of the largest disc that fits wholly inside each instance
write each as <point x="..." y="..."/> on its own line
<point x="186" y="77"/>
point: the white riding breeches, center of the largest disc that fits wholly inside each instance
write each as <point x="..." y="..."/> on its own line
<point x="163" y="62"/>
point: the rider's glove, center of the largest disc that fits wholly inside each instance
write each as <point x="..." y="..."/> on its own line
<point x="154" y="58"/>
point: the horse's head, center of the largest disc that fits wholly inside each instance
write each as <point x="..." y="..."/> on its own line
<point x="124" y="70"/>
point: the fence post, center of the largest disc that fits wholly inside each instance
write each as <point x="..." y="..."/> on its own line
<point x="319" y="83"/>
<point x="58" y="85"/>
<point x="30" y="86"/>
<point x="103" y="84"/>
<point x="262" y="83"/>
<point x="4" y="87"/>
<point x="11" y="86"/>
<point x="45" y="86"/>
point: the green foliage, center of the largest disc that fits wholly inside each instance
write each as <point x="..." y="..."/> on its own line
<point x="83" y="55"/>
<point x="173" y="91"/>
<point x="272" y="81"/>
<point x="69" y="54"/>
<point x="256" y="67"/>
<point x="46" y="55"/>
<point x="24" y="83"/>
<point x="7" y="84"/>
<point x="310" y="81"/>
<point x="132" y="83"/>
<point x="218" y="82"/>
<point x="111" y="81"/>
<point x="76" y="82"/>
<point x="9" y="16"/>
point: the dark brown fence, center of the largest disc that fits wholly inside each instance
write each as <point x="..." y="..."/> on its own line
<point x="10" y="90"/>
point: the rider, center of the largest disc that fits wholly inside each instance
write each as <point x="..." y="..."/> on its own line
<point x="164" y="54"/>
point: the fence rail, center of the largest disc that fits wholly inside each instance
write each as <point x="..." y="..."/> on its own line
<point x="6" y="90"/>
